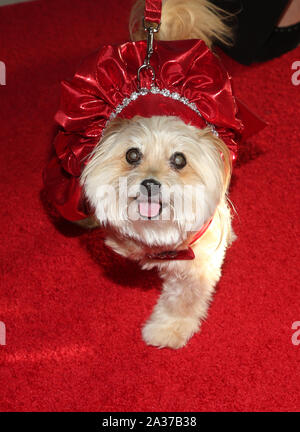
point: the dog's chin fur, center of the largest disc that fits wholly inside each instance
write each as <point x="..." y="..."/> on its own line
<point x="188" y="285"/>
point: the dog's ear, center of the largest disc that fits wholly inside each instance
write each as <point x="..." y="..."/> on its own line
<point x="226" y="159"/>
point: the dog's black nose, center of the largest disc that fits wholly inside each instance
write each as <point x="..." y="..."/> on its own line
<point x="150" y="187"/>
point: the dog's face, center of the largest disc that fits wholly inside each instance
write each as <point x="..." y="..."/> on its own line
<point x="155" y="179"/>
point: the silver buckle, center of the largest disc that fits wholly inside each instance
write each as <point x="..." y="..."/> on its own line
<point x="150" y="29"/>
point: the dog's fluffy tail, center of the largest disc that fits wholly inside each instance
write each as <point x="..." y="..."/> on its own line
<point x="185" y="19"/>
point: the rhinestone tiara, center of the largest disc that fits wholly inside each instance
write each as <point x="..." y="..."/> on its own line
<point x="155" y="90"/>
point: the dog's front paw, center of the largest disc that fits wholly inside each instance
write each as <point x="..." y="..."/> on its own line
<point x="169" y="332"/>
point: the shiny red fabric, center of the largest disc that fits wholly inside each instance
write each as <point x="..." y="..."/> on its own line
<point x="102" y="82"/>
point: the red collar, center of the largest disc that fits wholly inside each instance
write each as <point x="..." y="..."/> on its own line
<point x="181" y="254"/>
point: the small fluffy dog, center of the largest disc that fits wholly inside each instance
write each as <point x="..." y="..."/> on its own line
<point x="163" y="153"/>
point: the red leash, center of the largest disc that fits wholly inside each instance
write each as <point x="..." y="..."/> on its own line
<point x="152" y="12"/>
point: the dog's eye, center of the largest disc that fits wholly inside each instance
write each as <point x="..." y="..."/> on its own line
<point x="178" y="160"/>
<point x="133" y="156"/>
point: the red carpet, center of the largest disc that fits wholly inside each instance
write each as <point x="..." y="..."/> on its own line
<point x="73" y="310"/>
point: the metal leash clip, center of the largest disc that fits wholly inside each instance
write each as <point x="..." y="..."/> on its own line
<point x="150" y="29"/>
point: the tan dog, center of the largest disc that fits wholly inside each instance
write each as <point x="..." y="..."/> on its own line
<point x="164" y="152"/>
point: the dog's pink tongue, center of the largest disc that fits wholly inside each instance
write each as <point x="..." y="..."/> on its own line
<point x="149" y="209"/>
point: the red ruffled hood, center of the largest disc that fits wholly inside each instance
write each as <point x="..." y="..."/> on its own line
<point x="190" y="83"/>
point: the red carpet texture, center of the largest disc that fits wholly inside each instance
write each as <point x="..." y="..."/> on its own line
<point x="73" y="310"/>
